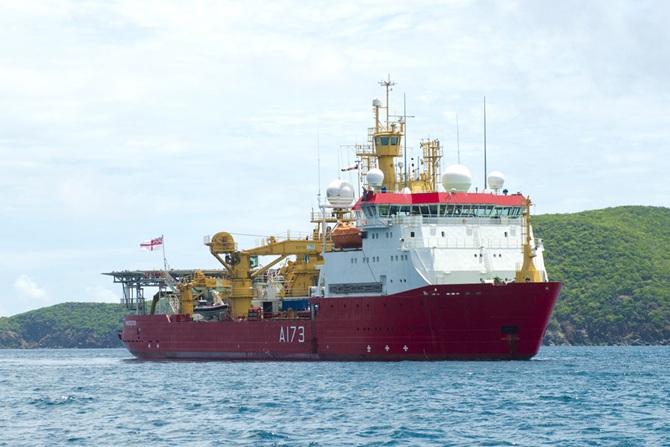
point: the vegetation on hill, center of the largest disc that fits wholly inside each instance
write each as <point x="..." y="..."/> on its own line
<point x="614" y="263"/>
<point x="67" y="325"/>
<point x="615" y="266"/>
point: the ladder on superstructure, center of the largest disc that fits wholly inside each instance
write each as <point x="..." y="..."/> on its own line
<point x="172" y="297"/>
<point x="484" y="252"/>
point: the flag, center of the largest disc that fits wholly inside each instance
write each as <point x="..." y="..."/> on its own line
<point x="152" y="244"/>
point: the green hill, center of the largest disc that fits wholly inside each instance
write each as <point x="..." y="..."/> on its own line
<point x="614" y="263"/>
<point x="67" y="325"/>
<point x="615" y="266"/>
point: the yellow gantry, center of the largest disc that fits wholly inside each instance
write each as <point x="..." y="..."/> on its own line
<point x="239" y="266"/>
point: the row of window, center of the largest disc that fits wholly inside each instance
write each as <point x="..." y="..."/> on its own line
<point x="384" y="141"/>
<point x="370" y="287"/>
<point x="388" y="234"/>
<point x="366" y="259"/>
<point x="441" y="210"/>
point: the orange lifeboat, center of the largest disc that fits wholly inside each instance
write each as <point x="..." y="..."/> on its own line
<point x="345" y="235"/>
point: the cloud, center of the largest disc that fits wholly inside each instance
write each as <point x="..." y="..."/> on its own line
<point x="123" y="120"/>
<point x="101" y="295"/>
<point x="28" y="290"/>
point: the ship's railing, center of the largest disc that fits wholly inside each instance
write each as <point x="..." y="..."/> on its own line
<point x="421" y="220"/>
<point x="273" y="290"/>
<point x="288" y="315"/>
<point x="317" y="216"/>
<point x="170" y="281"/>
<point x="288" y="236"/>
<point x="444" y="242"/>
<point x="297" y="292"/>
<point x="456" y="221"/>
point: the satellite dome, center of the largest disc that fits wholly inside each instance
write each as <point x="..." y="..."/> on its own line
<point x="340" y="193"/>
<point x="496" y="180"/>
<point x="457" y="177"/>
<point x="376" y="102"/>
<point x="375" y="177"/>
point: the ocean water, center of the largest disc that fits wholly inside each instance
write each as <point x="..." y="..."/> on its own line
<point x="566" y="396"/>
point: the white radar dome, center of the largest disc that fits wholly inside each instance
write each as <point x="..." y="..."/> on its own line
<point x="457" y="177"/>
<point x="375" y="177"/>
<point x="496" y="180"/>
<point x="376" y="102"/>
<point x="340" y="193"/>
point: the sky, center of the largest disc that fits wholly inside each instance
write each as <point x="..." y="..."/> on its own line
<point x="125" y="120"/>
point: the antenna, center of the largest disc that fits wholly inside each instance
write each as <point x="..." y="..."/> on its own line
<point x="388" y="84"/>
<point x="458" y="141"/>
<point x="404" y="118"/>
<point x="318" y="161"/>
<point x="485" y="180"/>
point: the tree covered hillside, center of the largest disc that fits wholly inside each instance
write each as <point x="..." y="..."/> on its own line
<point x="67" y="325"/>
<point x="615" y="265"/>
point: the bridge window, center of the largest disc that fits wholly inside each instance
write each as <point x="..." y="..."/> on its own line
<point x="383" y="210"/>
<point x="482" y="210"/>
<point x="401" y="210"/>
<point x="370" y="211"/>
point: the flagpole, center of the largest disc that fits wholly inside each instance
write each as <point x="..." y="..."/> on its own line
<point x="165" y="266"/>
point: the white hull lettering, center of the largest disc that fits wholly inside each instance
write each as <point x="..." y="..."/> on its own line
<point x="290" y="334"/>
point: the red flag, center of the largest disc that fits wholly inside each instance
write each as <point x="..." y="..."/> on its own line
<point x="152" y="244"/>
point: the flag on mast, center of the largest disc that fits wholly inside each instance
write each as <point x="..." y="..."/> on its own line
<point x="151" y="244"/>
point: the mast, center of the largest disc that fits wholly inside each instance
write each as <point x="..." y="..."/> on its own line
<point x="387" y="84"/>
<point x="387" y="138"/>
<point x="404" y="120"/>
<point x="165" y="264"/>
<point x="485" y="179"/>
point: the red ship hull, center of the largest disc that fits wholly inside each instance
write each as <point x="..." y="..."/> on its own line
<point x="443" y="322"/>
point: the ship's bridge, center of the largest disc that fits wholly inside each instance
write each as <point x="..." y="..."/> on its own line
<point x="382" y="207"/>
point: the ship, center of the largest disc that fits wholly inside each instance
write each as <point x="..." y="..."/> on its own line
<point x="405" y="271"/>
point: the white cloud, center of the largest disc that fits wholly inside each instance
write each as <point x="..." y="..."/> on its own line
<point x="101" y="295"/>
<point x="28" y="290"/>
<point x="123" y="120"/>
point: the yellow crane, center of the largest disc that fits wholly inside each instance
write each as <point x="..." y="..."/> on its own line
<point x="303" y="272"/>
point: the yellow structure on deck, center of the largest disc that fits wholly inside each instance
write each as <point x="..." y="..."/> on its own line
<point x="528" y="272"/>
<point x="200" y="281"/>
<point x="385" y="150"/>
<point x="242" y="273"/>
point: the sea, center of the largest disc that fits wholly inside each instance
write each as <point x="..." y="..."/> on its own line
<point x="565" y="396"/>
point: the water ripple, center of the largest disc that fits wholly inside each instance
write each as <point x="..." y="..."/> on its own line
<point x="565" y="397"/>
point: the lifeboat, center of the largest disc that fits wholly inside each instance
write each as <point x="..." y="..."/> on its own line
<point x="211" y="311"/>
<point x="346" y="235"/>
